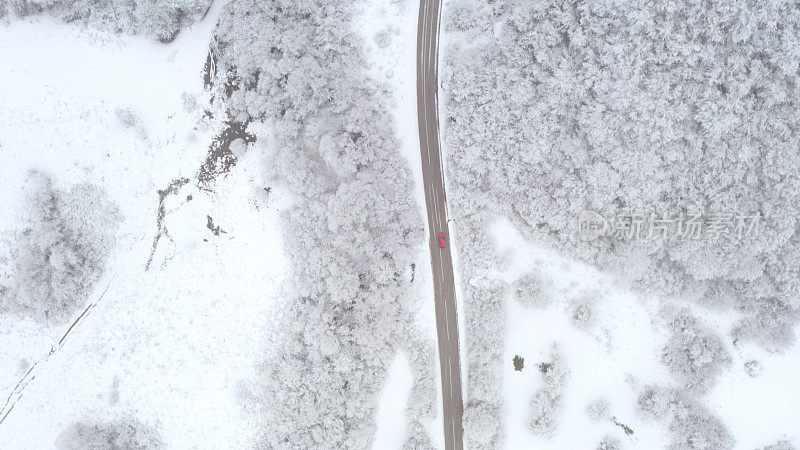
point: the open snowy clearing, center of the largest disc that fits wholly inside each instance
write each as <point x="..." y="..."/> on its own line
<point x="169" y="345"/>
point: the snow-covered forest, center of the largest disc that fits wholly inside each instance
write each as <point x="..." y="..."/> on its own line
<point x="632" y="109"/>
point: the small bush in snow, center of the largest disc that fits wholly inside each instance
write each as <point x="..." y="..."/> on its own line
<point x="690" y="425"/>
<point x="598" y="410"/>
<point x="127" y="117"/>
<point x="545" y="406"/>
<point x="609" y="443"/>
<point x="783" y="444"/>
<point x="62" y="250"/>
<point x="582" y="312"/>
<point x="694" y="354"/>
<point x="554" y="373"/>
<point x="383" y="38"/>
<point x="532" y="290"/>
<point x="547" y="402"/>
<point x="753" y="368"/>
<point x="123" y="434"/>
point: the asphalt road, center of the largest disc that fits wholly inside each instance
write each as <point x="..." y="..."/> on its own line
<point x="436" y="202"/>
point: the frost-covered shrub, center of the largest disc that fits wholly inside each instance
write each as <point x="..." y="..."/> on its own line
<point x="383" y="38"/>
<point x="582" y="312"/>
<point x="127" y="116"/>
<point x="694" y="354"/>
<point x="690" y="425"/>
<point x="545" y="406"/>
<point x="769" y="322"/>
<point x="609" y="443"/>
<point x="159" y="19"/>
<point x="753" y="368"/>
<point x="533" y="290"/>
<point x="598" y="410"/>
<point x="481" y="424"/>
<point x="417" y="437"/>
<point x="62" y="249"/>
<point x="547" y="402"/>
<point x="783" y="444"/>
<point x="554" y="373"/>
<point x="122" y="434"/>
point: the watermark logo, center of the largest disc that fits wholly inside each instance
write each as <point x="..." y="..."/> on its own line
<point x="631" y="227"/>
<point x="591" y="225"/>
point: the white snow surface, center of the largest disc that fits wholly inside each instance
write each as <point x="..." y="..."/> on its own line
<point x="167" y="346"/>
<point x="390" y="417"/>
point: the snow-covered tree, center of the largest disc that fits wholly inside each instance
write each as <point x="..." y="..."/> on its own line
<point x="609" y="443"/>
<point x="783" y="444"/>
<point x="547" y="402"/>
<point x="769" y="322"/>
<point x="597" y="410"/>
<point x="482" y="424"/>
<point x="160" y="19"/>
<point x="60" y="253"/>
<point x="690" y="425"/>
<point x="533" y="290"/>
<point x="128" y="434"/>
<point x="694" y="354"/>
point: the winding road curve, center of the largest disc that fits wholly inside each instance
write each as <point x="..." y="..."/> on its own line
<point x="436" y="203"/>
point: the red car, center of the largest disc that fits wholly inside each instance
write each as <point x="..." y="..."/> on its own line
<point x="442" y="242"/>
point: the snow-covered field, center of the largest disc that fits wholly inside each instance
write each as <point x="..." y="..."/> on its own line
<point x="169" y="345"/>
